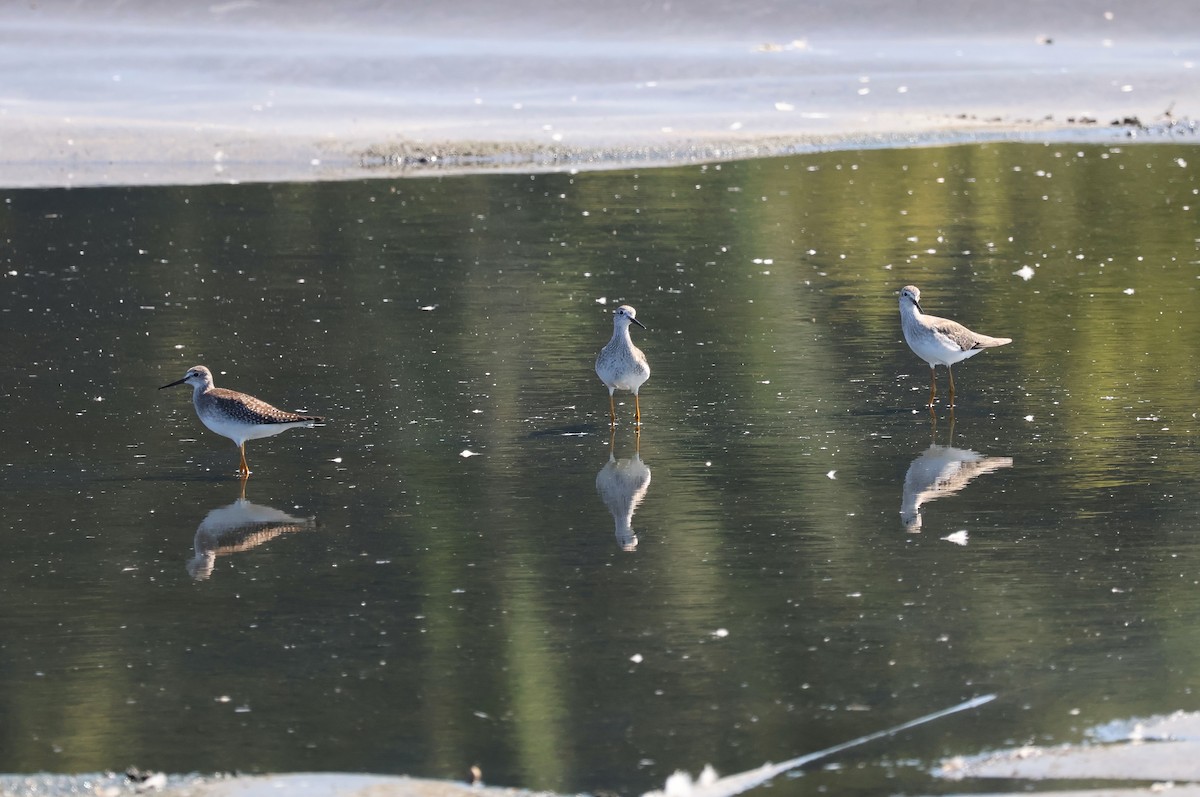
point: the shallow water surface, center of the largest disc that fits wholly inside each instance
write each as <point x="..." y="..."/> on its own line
<point x="464" y="567"/>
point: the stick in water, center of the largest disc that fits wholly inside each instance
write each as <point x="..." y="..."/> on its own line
<point x="744" y="781"/>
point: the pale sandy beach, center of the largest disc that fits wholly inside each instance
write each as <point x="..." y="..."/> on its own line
<point x="149" y="92"/>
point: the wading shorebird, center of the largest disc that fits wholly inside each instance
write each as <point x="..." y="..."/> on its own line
<point x="622" y="365"/>
<point x="939" y="341"/>
<point x="236" y="415"/>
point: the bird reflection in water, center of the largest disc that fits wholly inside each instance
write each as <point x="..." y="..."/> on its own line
<point x="239" y="527"/>
<point x="622" y="484"/>
<point x="941" y="471"/>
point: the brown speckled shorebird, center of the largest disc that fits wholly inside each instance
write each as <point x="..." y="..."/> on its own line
<point x="236" y="415"/>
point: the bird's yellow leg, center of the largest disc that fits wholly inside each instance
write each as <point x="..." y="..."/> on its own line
<point x="950" y="371"/>
<point x="637" y="410"/>
<point x="243" y="468"/>
<point x="932" y="385"/>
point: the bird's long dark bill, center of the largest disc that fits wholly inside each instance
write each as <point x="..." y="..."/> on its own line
<point x="176" y="382"/>
<point x="639" y="323"/>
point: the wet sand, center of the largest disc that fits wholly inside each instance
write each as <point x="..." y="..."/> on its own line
<point x="300" y="784"/>
<point x="144" y="92"/>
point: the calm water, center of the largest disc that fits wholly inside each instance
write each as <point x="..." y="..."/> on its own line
<point x="385" y="601"/>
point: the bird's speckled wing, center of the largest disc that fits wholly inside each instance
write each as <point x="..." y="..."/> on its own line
<point x="249" y="409"/>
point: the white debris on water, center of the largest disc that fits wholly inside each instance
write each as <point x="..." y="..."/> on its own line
<point x="1178" y="726"/>
<point x="681" y="784"/>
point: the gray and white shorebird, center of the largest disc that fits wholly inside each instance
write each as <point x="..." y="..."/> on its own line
<point x="621" y="365"/>
<point x="939" y="341"/>
<point x="236" y="415"/>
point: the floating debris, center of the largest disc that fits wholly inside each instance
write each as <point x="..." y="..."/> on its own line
<point x="958" y="537"/>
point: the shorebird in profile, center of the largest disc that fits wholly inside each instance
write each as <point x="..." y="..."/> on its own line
<point x="939" y="341"/>
<point x="621" y="365"/>
<point x="236" y="415"/>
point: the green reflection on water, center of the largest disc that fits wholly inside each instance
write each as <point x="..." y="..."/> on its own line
<point x="452" y="610"/>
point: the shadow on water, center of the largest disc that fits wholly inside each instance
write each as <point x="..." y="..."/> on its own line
<point x="941" y="471"/>
<point x="238" y="527"/>
<point x="461" y="606"/>
<point x="622" y="485"/>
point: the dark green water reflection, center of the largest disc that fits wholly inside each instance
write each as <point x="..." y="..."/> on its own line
<point x="446" y="610"/>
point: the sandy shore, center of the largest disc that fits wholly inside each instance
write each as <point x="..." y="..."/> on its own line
<point x="149" y="92"/>
<point x="300" y="784"/>
<point x="1137" y="757"/>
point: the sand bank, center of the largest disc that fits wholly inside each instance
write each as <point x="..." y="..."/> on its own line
<point x="160" y="93"/>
